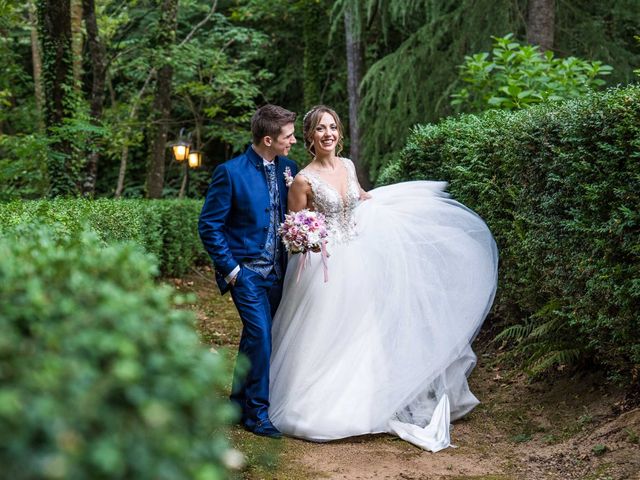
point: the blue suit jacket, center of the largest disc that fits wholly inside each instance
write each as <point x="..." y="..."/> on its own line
<point x="235" y="216"/>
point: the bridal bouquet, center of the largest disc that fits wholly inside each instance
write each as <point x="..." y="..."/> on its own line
<point x="303" y="232"/>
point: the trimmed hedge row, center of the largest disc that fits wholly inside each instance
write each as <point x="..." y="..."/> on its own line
<point x="167" y="229"/>
<point x="100" y="376"/>
<point x="559" y="186"/>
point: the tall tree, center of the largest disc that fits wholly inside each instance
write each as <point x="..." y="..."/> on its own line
<point x="76" y="40"/>
<point x="354" y="77"/>
<point x="98" y="70"/>
<point x="165" y="40"/>
<point x="36" y="57"/>
<point x="54" y="22"/>
<point x="541" y="23"/>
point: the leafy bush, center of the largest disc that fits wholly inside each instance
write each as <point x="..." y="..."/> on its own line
<point x="167" y="229"/>
<point x="181" y="245"/>
<point x="559" y="186"/>
<point x="100" y="377"/>
<point x="517" y="76"/>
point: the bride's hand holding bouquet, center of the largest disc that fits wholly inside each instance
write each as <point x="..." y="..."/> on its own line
<point x="303" y="232"/>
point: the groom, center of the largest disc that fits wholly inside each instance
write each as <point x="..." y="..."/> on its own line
<point x="245" y="204"/>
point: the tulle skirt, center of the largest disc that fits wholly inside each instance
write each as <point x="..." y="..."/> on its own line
<point x="384" y="345"/>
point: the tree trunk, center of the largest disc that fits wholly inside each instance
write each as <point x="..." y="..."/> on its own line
<point x="540" y="23"/>
<point x="98" y="68"/>
<point x="162" y="110"/>
<point x="76" y="42"/>
<point x="185" y="179"/>
<point x="162" y="101"/>
<point x="54" y="22"/>
<point x="36" y="56"/>
<point x="354" y="77"/>
<point x="124" y="156"/>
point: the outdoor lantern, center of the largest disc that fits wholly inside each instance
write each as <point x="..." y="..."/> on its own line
<point x="181" y="148"/>
<point x="195" y="159"/>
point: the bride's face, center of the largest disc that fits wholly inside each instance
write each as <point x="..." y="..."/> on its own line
<point x="326" y="135"/>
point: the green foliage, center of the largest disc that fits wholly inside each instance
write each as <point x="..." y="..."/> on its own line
<point x="306" y="60"/>
<point x="217" y="82"/>
<point x="559" y="186"/>
<point x="167" y="229"/>
<point x="18" y="112"/>
<point x="637" y="70"/>
<point x="250" y="52"/>
<point x="181" y="245"/>
<point x="599" y="449"/>
<point x="22" y="166"/>
<point x="100" y="376"/>
<point x="522" y="438"/>
<point x="63" y="104"/>
<point x="602" y="31"/>
<point x="218" y="79"/>
<point x="412" y="66"/>
<point x="313" y="14"/>
<point x="517" y="76"/>
<point x="410" y="82"/>
<point x="632" y="436"/>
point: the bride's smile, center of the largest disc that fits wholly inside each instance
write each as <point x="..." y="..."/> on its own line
<point x="326" y="136"/>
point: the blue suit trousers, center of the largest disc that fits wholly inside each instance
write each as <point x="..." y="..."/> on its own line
<point x="256" y="299"/>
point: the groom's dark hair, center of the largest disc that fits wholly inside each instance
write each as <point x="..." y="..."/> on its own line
<point x="268" y="120"/>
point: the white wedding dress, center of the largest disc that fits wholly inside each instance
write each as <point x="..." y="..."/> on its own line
<point x="384" y="345"/>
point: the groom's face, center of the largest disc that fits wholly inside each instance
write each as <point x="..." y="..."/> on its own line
<point x="283" y="142"/>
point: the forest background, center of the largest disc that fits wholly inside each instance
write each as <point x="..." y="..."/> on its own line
<point x="135" y="73"/>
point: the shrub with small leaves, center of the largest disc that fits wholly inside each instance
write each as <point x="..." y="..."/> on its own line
<point x="167" y="229"/>
<point x="100" y="376"/>
<point x="559" y="187"/>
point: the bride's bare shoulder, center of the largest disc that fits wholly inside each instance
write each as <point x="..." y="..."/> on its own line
<point x="301" y="181"/>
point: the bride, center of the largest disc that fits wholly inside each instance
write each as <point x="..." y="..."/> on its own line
<point x="384" y="345"/>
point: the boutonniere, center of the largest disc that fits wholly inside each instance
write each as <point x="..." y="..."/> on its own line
<point x="288" y="178"/>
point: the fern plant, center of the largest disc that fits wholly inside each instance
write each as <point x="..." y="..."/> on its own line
<point x="544" y="341"/>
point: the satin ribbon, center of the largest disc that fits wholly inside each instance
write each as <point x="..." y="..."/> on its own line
<point x="325" y="267"/>
<point x="307" y="259"/>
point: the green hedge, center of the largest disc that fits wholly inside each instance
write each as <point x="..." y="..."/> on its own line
<point x="167" y="229"/>
<point x="559" y="186"/>
<point x="100" y="377"/>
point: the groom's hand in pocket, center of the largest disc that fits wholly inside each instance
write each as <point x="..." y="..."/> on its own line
<point x="233" y="276"/>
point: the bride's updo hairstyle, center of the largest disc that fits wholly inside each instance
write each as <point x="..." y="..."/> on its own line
<point x="311" y="121"/>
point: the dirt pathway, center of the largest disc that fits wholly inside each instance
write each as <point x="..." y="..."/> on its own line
<point x="568" y="428"/>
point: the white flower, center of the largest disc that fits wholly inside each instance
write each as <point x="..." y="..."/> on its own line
<point x="233" y="459"/>
<point x="288" y="178"/>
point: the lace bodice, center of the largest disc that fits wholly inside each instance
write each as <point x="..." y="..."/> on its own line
<point x="337" y="210"/>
